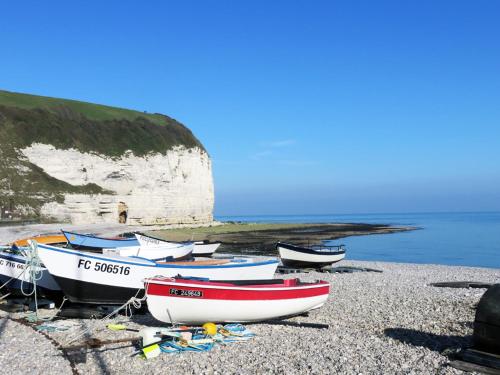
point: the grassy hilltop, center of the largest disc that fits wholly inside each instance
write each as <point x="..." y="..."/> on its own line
<point x="110" y="131"/>
<point x="25" y="119"/>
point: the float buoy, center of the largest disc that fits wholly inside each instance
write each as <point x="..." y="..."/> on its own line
<point x="210" y="329"/>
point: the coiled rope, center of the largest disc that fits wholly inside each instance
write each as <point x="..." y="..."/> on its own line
<point x="34" y="269"/>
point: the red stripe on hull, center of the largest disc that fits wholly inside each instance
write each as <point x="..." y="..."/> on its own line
<point x="237" y="294"/>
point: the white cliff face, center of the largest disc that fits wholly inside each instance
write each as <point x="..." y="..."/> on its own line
<point x="157" y="189"/>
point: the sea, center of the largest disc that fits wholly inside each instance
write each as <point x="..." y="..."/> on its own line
<point x="459" y="238"/>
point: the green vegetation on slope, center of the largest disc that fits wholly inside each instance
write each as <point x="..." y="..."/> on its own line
<point x="25" y="119"/>
<point x="87" y="127"/>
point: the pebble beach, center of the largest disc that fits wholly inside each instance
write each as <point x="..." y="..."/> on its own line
<point x="392" y="322"/>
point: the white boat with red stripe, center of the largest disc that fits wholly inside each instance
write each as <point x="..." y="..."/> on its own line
<point x="193" y="301"/>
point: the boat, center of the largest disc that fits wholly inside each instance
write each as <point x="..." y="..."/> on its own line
<point x="171" y="251"/>
<point x="16" y="278"/>
<point x="192" y="301"/>
<point x="58" y="239"/>
<point x="110" y="279"/>
<point x="205" y="248"/>
<point x="201" y="248"/>
<point x="94" y="243"/>
<point x="314" y="256"/>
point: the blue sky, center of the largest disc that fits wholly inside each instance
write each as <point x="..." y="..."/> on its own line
<point x="305" y="107"/>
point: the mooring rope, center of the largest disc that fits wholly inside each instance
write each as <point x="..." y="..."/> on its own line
<point x="26" y="255"/>
<point x="12" y="278"/>
<point x="46" y="319"/>
<point x="34" y="268"/>
<point x="133" y="301"/>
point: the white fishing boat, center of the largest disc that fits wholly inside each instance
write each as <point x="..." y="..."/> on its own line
<point x="189" y="301"/>
<point x="314" y="256"/>
<point x="170" y="251"/>
<point x="201" y="248"/>
<point x="205" y="248"/>
<point x="111" y="279"/>
<point x="16" y="277"/>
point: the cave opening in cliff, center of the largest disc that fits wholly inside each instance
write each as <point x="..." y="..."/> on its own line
<point x="122" y="212"/>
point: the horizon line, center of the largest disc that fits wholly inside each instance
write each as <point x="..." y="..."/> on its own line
<point x="363" y="213"/>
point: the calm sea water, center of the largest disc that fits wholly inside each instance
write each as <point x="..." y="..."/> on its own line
<point x="468" y="239"/>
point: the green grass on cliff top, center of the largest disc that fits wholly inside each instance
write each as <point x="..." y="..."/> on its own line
<point x="27" y="119"/>
<point x="92" y="111"/>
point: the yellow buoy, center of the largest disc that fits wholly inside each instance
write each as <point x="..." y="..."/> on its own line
<point x="210" y="329"/>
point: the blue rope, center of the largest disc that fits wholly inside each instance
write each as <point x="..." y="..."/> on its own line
<point x="234" y="333"/>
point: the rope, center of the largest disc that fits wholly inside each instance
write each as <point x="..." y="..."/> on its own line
<point x="133" y="301"/>
<point x="18" y="252"/>
<point x="5" y="296"/>
<point x="34" y="268"/>
<point x="32" y="319"/>
<point x="230" y="333"/>
<point x="12" y="278"/>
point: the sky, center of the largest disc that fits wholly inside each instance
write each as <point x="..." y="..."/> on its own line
<point x="305" y="107"/>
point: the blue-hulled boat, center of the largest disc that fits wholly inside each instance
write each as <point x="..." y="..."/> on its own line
<point x="91" y="242"/>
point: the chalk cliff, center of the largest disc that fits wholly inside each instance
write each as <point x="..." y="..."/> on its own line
<point x="86" y="163"/>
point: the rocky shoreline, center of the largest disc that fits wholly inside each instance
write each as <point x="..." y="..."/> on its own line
<point x="379" y="323"/>
<point x="261" y="239"/>
<point x="237" y="238"/>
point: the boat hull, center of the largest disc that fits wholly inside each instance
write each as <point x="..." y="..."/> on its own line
<point x="89" y="242"/>
<point x="48" y="240"/>
<point x="174" y="251"/>
<point x="107" y="275"/>
<point x="205" y="249"/>
<point x="201" y="249"/>
<point x="79" y="291"/>
<point x="194" y="303"/>
<point x="12" y="267"/>
<point x="295" y="256"/>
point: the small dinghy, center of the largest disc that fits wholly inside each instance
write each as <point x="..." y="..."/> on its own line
<point x="191" y="301"/>
<point x="109" y="279"/>
<point x="16" y="277"/>
<point x="171" y="250"/>
<point x="94" y="243"/>
<point x="205" y="248"/>
<point x="201" y="248"/>
<point x="314" y="256"/>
